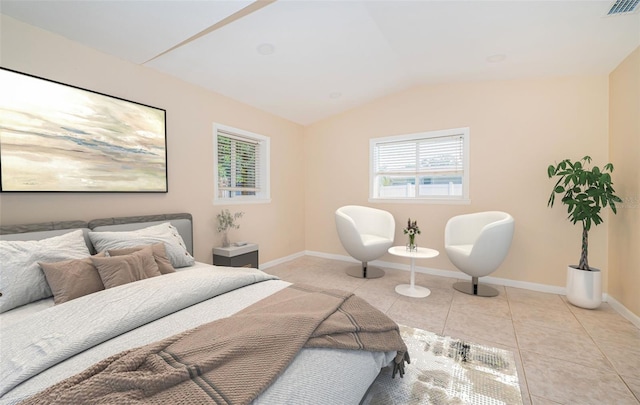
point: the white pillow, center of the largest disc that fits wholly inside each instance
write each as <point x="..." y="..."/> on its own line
<point x="165" y="232"/>
<point x="21" y="278"/>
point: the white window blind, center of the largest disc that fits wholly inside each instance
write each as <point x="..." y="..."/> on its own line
<point x="241" y="169"/>
<point x="431" y="165"/>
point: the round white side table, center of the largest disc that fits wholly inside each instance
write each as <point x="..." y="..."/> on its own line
<point x="413" y="290"/>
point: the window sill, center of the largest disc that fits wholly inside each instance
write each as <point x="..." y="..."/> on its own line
<point x="241" y="201"/>
<point x="449" y="201"/>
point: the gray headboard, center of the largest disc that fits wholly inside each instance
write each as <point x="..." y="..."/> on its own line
<point x="42" y="227"/>
<point x="182" y="221"/>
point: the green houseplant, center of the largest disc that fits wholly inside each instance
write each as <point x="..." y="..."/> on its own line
<point x="585" y="191"/>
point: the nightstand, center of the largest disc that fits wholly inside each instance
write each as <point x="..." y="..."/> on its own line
<point x="236" y="256"/>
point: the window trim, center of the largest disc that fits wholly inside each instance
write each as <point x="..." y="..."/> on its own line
<point x="264" y="143"/>
<point x="464" y="199"/>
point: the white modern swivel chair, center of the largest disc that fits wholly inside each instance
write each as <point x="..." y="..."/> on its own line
<point x="477" y="244"/>
<point x="366" y="234"/>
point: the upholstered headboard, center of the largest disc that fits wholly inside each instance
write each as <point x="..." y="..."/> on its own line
<point x="37" y="231"/>
<point x="42" y="227"/>
<point x="182" y="222"/>
<point x="44" y="230"/>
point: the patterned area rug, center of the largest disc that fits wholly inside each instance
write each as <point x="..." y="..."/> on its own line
<point x="445" y="370"/>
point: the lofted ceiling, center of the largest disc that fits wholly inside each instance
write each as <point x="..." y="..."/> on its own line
<point x="306" y="60"/>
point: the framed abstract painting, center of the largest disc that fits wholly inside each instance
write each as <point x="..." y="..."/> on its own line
<point x="61" y="138"/>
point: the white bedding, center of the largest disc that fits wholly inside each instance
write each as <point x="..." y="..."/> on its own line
<point x="48" y="345"/>
<point x="16" y="314"/>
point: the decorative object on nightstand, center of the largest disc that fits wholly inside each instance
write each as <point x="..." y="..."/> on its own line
<point x="240" y="254"/>
<point x="226" y="221"/>
<point x="412" y="230"/>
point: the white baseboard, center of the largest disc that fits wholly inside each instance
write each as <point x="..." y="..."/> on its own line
<point x="448" y="273"/>
<point x="621" y="309"/>
<point x="285" y="259"/>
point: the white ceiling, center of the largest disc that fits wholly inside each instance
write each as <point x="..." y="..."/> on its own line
<point x="333" y="55"/>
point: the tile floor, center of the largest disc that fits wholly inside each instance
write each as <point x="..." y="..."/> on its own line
<point x="564" y="354"/>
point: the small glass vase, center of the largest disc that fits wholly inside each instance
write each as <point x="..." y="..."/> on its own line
<point x="225" y="239"/>
<point x="411" y="246"/>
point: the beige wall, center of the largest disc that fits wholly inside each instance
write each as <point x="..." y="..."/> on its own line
<point x="624" y="143"/>
<point x="191" y="111"/>
<point x="517" y="129"/>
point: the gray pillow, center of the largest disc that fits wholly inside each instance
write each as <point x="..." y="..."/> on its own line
<point x="21" y="278"/>
<point x="165" y="232"/>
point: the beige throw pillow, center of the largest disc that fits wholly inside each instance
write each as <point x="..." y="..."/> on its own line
<point x="70" y="279"/>
<point x="119" y="270"/>
<point x="159" y="254"/>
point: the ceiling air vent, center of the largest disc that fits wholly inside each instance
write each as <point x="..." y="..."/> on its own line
<point x="623" y="7"/>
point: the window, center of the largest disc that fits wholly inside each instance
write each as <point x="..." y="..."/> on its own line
<point x="241" y="161"/>
<point x="429" y="166"/>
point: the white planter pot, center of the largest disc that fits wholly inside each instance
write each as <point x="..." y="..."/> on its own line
<point x="584" y="288"/>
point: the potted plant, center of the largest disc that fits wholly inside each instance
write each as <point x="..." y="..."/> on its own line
<point x="226" y="221"/>
<point x="585" y="191"/>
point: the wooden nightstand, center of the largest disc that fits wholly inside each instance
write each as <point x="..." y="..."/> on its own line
<point x="236" y="256"/>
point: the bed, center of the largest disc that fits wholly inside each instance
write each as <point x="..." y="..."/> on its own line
<point x="55" y="323"/>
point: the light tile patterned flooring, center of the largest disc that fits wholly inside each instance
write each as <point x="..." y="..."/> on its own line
<point x="564" y="354"/>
